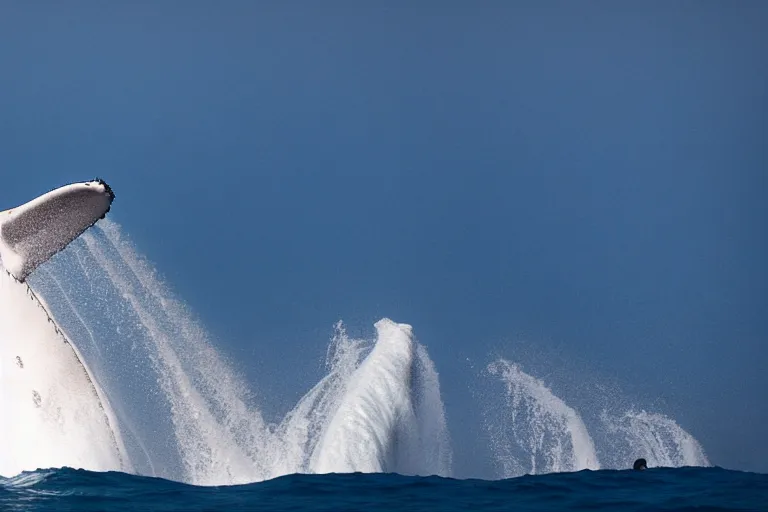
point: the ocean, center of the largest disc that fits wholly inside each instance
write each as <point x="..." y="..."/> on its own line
<point x="668" y="489"/>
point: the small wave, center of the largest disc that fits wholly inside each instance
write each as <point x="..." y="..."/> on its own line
<point x="630" y="491"/>
<point x="26" y="478"/>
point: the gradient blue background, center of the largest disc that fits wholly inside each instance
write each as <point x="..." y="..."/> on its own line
<point x="589" y="177"/>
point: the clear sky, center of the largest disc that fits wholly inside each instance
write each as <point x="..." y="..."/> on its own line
<point x="587" y="177"/>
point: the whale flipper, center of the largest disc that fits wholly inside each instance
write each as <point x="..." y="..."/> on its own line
<point x="56" y="413"/>
<point x="33" y="232"/>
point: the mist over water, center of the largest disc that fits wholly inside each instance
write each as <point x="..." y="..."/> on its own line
<point x="658" y="439"/>
<point x="178" y="409"/>
<point x="533" y="431"/>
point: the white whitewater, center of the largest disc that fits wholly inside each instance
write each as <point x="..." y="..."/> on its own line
<point x="297" y="436"/>
<point x="378" y="409"/>
<point x="185" y="413"/>
<point x="658" y="439"/>
<point x="376" y="426"/>
<point x="215" y="431"/>
<point x="532" y="431"/>
<point x="536" y="432"/>
<point x="434" y="440"/>
<point x="374" y="415"/>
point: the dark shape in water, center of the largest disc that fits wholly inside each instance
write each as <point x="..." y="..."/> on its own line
<point x="639" y="465"/>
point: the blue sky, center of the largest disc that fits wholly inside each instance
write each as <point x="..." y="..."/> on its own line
<point x="587" y="177"/>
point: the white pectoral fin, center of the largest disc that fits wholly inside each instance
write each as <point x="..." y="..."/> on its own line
<point x="35" y="231"/>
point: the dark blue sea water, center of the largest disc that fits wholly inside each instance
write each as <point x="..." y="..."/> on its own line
<point x="680" y="489"/>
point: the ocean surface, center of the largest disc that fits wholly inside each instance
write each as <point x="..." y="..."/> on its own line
<point x="666" y="489"/>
